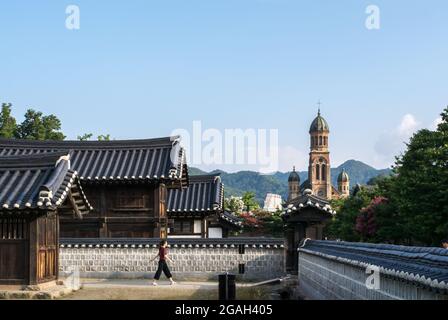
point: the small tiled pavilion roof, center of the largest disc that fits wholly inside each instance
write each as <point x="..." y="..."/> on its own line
<point x="231" y="219"/>
<point x="204" y="195"/>
<point x="39" y="182"/>
<point x="161" y="159"/>
<point x="307" y="199"/>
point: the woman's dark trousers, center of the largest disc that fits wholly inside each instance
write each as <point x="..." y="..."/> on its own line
<point x="163" y="267"/>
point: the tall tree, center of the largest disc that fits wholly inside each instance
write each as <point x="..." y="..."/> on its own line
<point x="250" y="203"/>
<point x="422" y="184"/>
<point x="8" y="124"/>
<point x="36" y="126"/>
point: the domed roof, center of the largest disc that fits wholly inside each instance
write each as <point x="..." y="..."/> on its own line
<point x="294" y="177"/>
<point x="319" y="124"/>
<point x="343" y="176"/>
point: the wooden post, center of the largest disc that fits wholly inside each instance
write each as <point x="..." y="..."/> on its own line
<point x="57" y="246"/>
<point x="204" y="231"/>
<point x="160" y="215"/>
<point x="33" y="251"/>
<point x="102" y="212"/>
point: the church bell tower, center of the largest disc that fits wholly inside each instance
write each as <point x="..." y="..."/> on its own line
<point x="319" y="173"/>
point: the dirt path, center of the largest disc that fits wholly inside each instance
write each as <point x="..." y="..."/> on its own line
<point x="143" y="290"/>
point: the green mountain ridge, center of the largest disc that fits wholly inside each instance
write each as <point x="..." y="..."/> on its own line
<point x="239" y="182"/>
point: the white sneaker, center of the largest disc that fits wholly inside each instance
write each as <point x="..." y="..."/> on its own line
<point x="173" y="283"/>
<point x="155" y="284"/>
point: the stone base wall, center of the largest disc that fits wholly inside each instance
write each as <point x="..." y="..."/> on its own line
<point x="321" y="278"/>
<point x="200" y="261"/>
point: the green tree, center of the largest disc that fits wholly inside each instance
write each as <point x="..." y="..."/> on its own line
<point x="85" y="137"/>
<point x="421" y="186"/>
<point x="36" y="126"/>
<point x="8" y="125"/>
<point x="104" y="137"/>
<point x="234" y="204"/>
<point x="273" y="224"/>
<point x="342" y="225"/>
<point x="250" y="203"/>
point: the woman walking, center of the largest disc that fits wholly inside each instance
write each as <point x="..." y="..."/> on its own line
<point x="163" y="266"/>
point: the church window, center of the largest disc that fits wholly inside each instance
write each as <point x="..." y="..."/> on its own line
<point x="324" y="172"/>
<point x="317" y="172"/>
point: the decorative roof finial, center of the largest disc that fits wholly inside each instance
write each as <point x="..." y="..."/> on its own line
<point x="318" y="110"/>
<point x="294" y="168"/>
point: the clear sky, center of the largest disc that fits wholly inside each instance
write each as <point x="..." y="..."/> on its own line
<point x="140" y="69"/>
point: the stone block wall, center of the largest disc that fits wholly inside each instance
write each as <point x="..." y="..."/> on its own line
<point x="333" y="271"/>
<point x="194" y="259"/>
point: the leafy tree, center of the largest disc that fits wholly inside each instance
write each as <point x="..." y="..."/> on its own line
<point x="85" y="137"/>
<point x="250" y="203"/>
<point x="88" y="136"/>
<point x="36" y="126"/>
<point x="342" y="226"/>
<point x="411" y="206"/>
<point x="103" y="137"/>
<point x="421" y="185"/>
<point x="234" y="204"/>
<point x="273" y="224"/>
<point x="8" y="125"/>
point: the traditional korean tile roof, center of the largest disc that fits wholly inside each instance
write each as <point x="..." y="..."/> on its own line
<point x="204" y="195"/>
<point x="422" y="265"/>
<point x="231" y="218"/>
<point x="307" y="199"/>
<point x="35" y="182"/>
<point x="232" y="242"/>
<point x="161" y="159"/>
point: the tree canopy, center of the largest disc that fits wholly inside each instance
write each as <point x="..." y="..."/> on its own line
<point x="411" y="206"/>
<point x="8" y="125"/>
<point x="35" y="126"/>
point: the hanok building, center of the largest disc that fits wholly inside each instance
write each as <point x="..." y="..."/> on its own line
<point x="198" y="211"/>
<point x="34" y="191"/>
<point x="135" y="187"/>
<point x="125" y="181"/>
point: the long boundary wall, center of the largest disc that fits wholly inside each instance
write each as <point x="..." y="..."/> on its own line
<point x="338" y="271"/>
<point x="251" y="259"/>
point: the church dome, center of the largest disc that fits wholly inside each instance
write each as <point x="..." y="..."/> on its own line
<point x="343" y="176"/>
<point x="319" y="124"/>
<point x="294" y="177"/>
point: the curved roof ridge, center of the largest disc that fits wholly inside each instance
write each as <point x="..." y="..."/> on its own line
<point x="77" y="144"/>
<point x="48" y="159"/>
<point x="205" y="177"/>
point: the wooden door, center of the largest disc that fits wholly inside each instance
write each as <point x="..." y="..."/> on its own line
<point x="47" y="250"/>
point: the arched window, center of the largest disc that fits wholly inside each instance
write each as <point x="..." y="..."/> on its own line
<point x="324" y="172"/>
<point x="317" y="172"/>
<point x="325" y="140"/>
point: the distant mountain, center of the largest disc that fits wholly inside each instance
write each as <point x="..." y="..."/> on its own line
<point x="238" y="183"/>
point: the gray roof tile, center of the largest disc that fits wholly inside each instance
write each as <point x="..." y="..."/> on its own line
<point x="31" y="182"/>
<point x="121" y="160"/>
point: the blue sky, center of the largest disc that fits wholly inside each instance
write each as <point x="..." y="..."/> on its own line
<point x="140" y="69"/>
